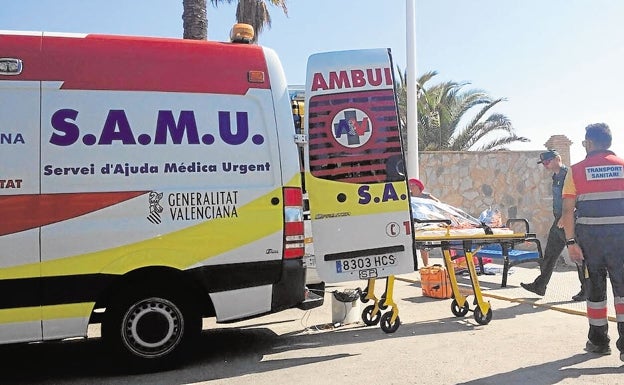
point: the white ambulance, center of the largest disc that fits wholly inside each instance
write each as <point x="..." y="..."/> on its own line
<point x="145" y="183"/>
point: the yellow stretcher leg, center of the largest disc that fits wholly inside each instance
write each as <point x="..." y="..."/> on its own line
<point x="482" y="312"/>
<point x="390" y="321"/>
<point x="371" y="315"/>
<point x="460" y="306"/>
<point x="460" y="299"/>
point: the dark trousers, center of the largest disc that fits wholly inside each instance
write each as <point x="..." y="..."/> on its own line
<point x="602" y="248"/>
<point x="554" y="247"/>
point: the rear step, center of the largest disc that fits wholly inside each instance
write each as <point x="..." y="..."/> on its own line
<point x="311" y="301"/>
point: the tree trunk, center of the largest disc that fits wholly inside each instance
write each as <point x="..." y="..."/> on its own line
<point x="195" y="21"/>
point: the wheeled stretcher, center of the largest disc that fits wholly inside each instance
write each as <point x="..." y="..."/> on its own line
<point x="470" y="241"/>
<point x="371" y="315"/>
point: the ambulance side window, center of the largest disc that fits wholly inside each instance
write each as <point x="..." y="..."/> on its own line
<point x="355" y="145"/>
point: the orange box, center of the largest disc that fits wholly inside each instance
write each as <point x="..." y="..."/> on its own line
<point x="435" y="282"/>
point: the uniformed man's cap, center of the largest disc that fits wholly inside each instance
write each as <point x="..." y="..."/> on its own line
<point x="548" y="155"/>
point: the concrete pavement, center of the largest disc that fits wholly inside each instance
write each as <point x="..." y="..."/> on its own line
<point x="563" y="285"/>
<point x="530" y="340"/>
<point x="515" y="312"/>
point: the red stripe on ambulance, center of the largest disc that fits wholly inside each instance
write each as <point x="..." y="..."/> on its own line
<point x="31" y="211"/>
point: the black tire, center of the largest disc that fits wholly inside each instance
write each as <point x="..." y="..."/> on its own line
<point x="385" y="324"/>
<point x="363" y="295"/>
<point x="150" y="329"/>
<point x="480" y="318"/>
<point x="382" y="303"/>
<point x="366" y="316"/>
<point x="459" y="311"/>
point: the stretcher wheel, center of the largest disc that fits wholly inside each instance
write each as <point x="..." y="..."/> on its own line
<point x="367" y="316"/>
<point x="363" y="295"/>
<point x="386" y="326"/>
<point x="459" y="311"/>
<point x="382" y="303"/>
<point x="480" y="318"/>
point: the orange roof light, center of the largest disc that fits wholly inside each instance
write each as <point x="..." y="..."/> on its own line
<point x="242" y="33"/>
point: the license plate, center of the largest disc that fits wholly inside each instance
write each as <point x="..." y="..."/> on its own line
<point x="365" y="263"/>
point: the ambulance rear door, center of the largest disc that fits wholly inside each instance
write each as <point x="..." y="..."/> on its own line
<point x="22" y="208"/>
<point x="359" y="201"/>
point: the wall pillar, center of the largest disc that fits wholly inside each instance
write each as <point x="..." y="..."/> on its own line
<point x="562" y="144"/>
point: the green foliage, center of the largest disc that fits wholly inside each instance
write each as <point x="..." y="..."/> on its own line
<point x="450" y="118"/>
<point x="255" y="13"/>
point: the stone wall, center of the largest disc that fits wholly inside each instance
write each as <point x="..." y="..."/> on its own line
<point x="512" y="181"/>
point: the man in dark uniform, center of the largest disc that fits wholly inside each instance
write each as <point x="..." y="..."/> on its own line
<point x="556" y="238"/>
<point x="593" y="219"/>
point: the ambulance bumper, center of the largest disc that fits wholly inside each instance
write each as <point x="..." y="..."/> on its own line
<point x="290" y="290"/>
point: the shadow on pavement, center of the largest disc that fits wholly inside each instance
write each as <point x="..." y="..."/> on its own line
<point x="221" y="353"/>
<point x="547" y="373"/>
<point x="230" y="352"/>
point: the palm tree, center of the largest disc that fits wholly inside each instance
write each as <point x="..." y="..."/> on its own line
<point x="253" y="12"/>
<point x="256" y="14"/>
<point x="194" y="19"/>
<point x="444" y="122"/>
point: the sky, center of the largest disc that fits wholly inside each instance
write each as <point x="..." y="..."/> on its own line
<point x="558" y="63"/>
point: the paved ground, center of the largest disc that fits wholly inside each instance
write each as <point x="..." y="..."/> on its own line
<point x="563" y="285"/>
<point x="530" y="340"/>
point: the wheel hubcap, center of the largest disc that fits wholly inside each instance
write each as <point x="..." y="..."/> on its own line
<point x="153" y="327"/>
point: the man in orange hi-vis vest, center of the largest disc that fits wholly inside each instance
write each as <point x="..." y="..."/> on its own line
<point x="593" y="219"/>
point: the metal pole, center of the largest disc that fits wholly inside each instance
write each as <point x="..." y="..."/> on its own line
<point x="412" y="90"/>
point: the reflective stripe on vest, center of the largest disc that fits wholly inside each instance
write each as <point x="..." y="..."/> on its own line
<point x="598" y="203"/>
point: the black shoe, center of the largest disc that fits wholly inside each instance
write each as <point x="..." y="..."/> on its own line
<point x="580" y="296"/>
<point x="598" y="349"/>
<point x="534" y="289"/>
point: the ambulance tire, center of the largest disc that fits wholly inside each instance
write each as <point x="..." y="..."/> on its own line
<point x="150" y="329"/>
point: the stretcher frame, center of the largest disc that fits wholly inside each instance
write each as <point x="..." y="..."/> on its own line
<point x="471" y="245"/>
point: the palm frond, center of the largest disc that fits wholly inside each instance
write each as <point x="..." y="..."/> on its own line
<point x="451" y="117"/>
<point x="256" y="13"/>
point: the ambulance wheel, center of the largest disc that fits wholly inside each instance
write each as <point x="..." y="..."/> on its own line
<point x="480" y="318"/>
<point x="150" y="329"/>
<point x="459" y="311"/>
<point x="367" y="316"/>
<point x="386" y="326"/>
